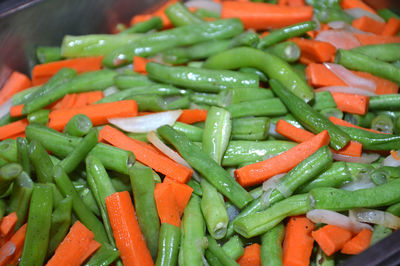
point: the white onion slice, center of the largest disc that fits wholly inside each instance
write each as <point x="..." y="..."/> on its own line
<point x="271" y="183"/>
<point x="209" y="5"/>
<point x="364" y="183"/>
<point x="359" y="12"/>
<point x="339" y="39"/>
<point x="335" y="218"/>
<point x="341" y="25"/>
<point x="5" y="108"/>
<point x="391" y="161"/>
<point x="365" y="158"/>
<point x="344" y="89"/>
<point x="376" y="217"/>
<point x="352" y="80"/>
<point x="146" y="123"/>
<point x="110" y="90"/>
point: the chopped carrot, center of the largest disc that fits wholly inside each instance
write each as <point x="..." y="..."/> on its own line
<point x="292" y="3"/>
<point x="298" y="243"/>
<point x="21" y="135"/>
<point x="316" y="51"/>
<point x="16" y="110"/>
<point x="98" y="113"/>
<point x="368" y="24"/>
<point x="353" y="148"/>
<point x="126" y="230"/>
<point x="14" y="128"/>
<point x="182" y="193"/>
<point x="341" y="122"/>
<point x="331" y="238"/>
<point x="392" y="27"/>
<point x="262" y="16"/>
<point x="358" y="244"/>
<point x="88" y="98"/>
<point x="145" y="155"/>
<point x="395" y="154"/>
<point x="265" y="33"/>
<point x="17" y="240"/>
<point x="191" y="116"/>
<point x="383" y="86"/>
<point x="257" y="173"/>
<point x="251" y="256"/>
<point x="76" y="247"/>
<point x="139" y="64"/>
<point x="7" y="224"/>
<point x="43" y="72"/>
<point x="68" y="101"/>
<point x="167" y="206"/>
<point x="366" y="39"/>
<point x="351" y="103"/>
<point x="346" y="4"/>
<point x="15" y="83"/>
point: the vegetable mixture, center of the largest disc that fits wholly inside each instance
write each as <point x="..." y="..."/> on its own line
<point x="206" y="132"/>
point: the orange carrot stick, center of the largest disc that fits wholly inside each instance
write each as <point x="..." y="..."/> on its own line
<point x="331" y="238"/>
<point x="251" y="256"/>
<point x="383" y="86"/>
<point x="298" y="243"/>
<point x="368" y="24"/>
<point x="346" y="4"/>
<point x="182" y="193"/>
<point x="8" y="223"/>
<point x="68" y="101"/>
<point x="87" y="98"/>
<point x="316" y="51"/>
<point x="74" y="248"/>
<point x="351" y="103"/>
<point x="16" y="110"/>
<point x="90" y="250"/>
<point x="257" y="173"/>
<point x="15" y="83"/>
<point x="190" y="116"/>
<point x="392" y="27"/>
<point x="126" y="230"/>
<point x="145" y="155"/>
<point x="17" y="241"/>
<point x="341" y="122"/>
<point x="167" y="206"/>
<point x="98" y="113"/>
<point x="358" y="244"/>
<point x="366" y="39"/>
<point x="139" y="64"/>
<point x="43" y="72"/>
<point x="14" y="128"/>
<point x="262" y="16"/>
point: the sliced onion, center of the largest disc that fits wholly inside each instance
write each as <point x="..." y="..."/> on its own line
<point x="376" y="217"/>
<point x="335" y="218"/>
<point x="8" y="249"/>
<point x="344" y="89"/>
<point x="365" y="158"/>
<point x="146" y="123"/>
<point x="271" y="183"/>
<point x="339" y="39"/>
<point x="110" y="90"/>
<point x="5" y="108"/>
<point x="391" y="161"/>
<point x="341" y="25"/>
<point x="351" y="79"/>
<point x="209" y="5"/>
<point x="359" y="12"/>
<point x="363" y="183"/>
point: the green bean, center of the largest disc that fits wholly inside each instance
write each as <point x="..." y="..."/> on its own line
<point x="385" y="102"/>
<point x="322" y="259"/>
<point x="379" y="233"/>
<point x="127" y="81"/>
<point x="201" y="79"/>
<point x="288" y="51"/>
<point x="384" y="174"/>
<point x="168" y="245"/>
<point x="3" y="208"/>
<point x="177" y="102"/>
<point x="357" y="61"/>
<point x="205" y="13"/>
<point x="382" y="123"/>
<point x="360" y="120"/>
<point x="195" y="186"/>
<point x="323" y="100"/>
<point x="271" y="65"/>
<point x="23" y="154"/>
<point x="105" y="255"/>
<point x="326" y="15"/>
<point x="145" y="205"/>
<point x="192" y="132"/>
<point x="46" y="54"/>
<point x="41" y="162"/>
<point x="2" y="162"/>
<point x="260" y="74"/>
<point x="271" y="246"/>
<point x="113" y="158"/>
<point x="206" y="166"/>
<point x="386" y="14"/>
<point x="267" y="107"/>
<point x="238" y="95"/>
<point x="233" y="247"/>
<point x="385" y="52"/>
<point x="9" y="150"/>
<point x="212" y="259"/>
<point x="23" y="97"/>
<point x="79" y="125"/>
<point x="219" y="252"/>
<point x="335" y="112"/>
<point x="89" y="200"/>
<point x="38" y="230"/>
<point x="40" y="116"/>
<point x="186" y="35"/>
<point x="154" y="23"/>
<point x="20" y="197"/>
<point x="250" y="128"/>
<point x="208" y="98"/>
<point x="179" y="15"/>
<point x="6" y="119"/>
<point x="309" y="117"/>
<point x="60" y="223"/>
<point x="288" y="118"/>
<point x="359" y="169"/>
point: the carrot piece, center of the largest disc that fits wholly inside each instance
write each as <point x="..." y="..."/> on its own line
<point x="367" y="39"/>
<point x="73" y="250"/>
<point x="368" y="24"/>
<point x="182" y="193"/>
<point x="98" y="113"/>
<point x="351" y="103"/>
<point x="145" y="155"/>
<point x="139" y="64"/>
<point x="191" y="116"/>
<point x="261" y="16"/>
<point x="358" y="244"/>
<point x="346" y="4"/>
<point x="8" y="223"/>
<point x="43" y="72"/>
<point x="315" y="50"/>
<point x="159" y="12"/>
<point x="341" y="122"/>
<point x="167" y="206"/>
<point x="395" y="154"/>
<point x="251" y="256"/>
<point x="383" y="86"/>
<point x="68" y="101"/>
<point x="353" y="148"/>
<point x="292" y="3"/>
<point x="257" y="173"/>
<point x="126" y="230"/>
<point x="17" y="241"/>
<point x="298" y="243"/>
<point x="90" y="250"/>
<point x="13" y="128"/>
<point x="331" y="238"/>
<point x="15" y="83"/>
<point x="265" y="33"/>
<point x="392" y="27"/>
<point x="16" y="110"/>
<point x="87" y="98"/>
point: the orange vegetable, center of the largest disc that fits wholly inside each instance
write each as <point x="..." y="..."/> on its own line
<point x="126" y="230"/>
<point x="74" y="249"/>
<point x="315" y="51"/>
<point x="331" y="238"/>
<point x="251" y="256"/>
<point x="346" y="4"/>
<point x="139" y="64"/>
<point x="16" y="110"/>
<point x="182" y="193"/>
<point x="257" y="173"/>
<point x="262" y="16"/>
<point x="292" y="3"/>
<point x="88" y="98"/>
<point x="43" y="72"/>
<point x="8" y="223"/>
<point x="146" y="155"/>
<point x="298" y="243"/>
<point x="351" y="103"/>
<point x="358" y="244"/>
<point x="191" y="116"/>
<point x="15" y="83"/>
<point x="392" y="27"/>
<point x="340" y="122"/>
<point x="159" y="12"/>
<point x="167" y="206"/>
<point x="383" y="86"/>
<point x="366" y="39"/>
<point x="14" y="128"/>
<point x="98" y="113"/>
<point x="11" y="258"/>
<point x="368" y="24"/>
